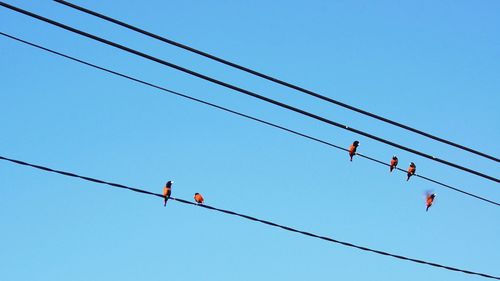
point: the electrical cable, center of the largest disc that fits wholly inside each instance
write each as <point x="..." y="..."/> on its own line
<point x="246" y="92"/>
<point x="273" y="79"/>
<point x="236" y="113"/>
<point x="287" y="228"/>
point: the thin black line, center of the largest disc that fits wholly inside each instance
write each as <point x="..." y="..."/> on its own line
<point x="246" y="92"/>
<point x="272" y="79"/>
<point x="236" y="113"/>
<point x="287" y="228"/>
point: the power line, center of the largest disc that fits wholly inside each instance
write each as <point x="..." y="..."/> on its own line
<point x="272" y="79"/>
<point x="303" y="112"/>
<point x="287" y="228"/>
<point x="238" y="113"/>
<point x="246" y="92"/>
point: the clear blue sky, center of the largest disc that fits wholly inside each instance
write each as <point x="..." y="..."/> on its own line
<point x="432" y="65"/>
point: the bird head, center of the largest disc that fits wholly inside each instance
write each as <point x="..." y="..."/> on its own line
<point x="169" y="183"/>
<point x="356" y="143"/>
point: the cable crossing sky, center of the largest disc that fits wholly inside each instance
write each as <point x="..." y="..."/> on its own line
<point x="273" y="79"/>
<point x="240" y="114"/>
<point x="286" y="228"/>
<point x="246" y="92"/>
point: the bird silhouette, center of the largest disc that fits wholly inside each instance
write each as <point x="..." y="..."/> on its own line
<point x="429" y="200"/>
<point x="167" y="191"/>
<point x="394" y="163"/>
<point x="352" y="149"/>
<point x="411" y="170"/>
<point x="198" y="198"/>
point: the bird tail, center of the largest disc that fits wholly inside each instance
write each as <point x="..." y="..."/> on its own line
<point x="391" y="168"/>
<point x="427" y="209"/>
<point x="165" y="201"/>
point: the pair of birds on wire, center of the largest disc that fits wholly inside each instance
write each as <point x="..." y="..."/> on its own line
<point x="167" y="191"/>
<point x="412" y="169"/>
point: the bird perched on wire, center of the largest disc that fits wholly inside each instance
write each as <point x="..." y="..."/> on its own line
<point x="167" y="191"/>
<point x="198" y="198"/>
<point x="394" y="163"/>
<point x="411" y="170"/>
<point x="429" y="200"/>
<point x="352" y="149"/>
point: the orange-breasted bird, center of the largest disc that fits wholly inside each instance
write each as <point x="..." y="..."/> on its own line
<point x="394" y="163"/>
<point x="429" y="200"/>
<point x="198" y="198"/>
<point x="352" y="149"/>
<point x="167" y="190"/>
<point x="411" y="170"/>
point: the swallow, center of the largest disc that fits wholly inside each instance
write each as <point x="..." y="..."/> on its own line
<point x="394" y="163"/>
<point x="429" y="200"/>
<point x="411" y="170"/>
<point x="352" y="149"/>
<point x="167" y="190"/>
<point x="198" y="198"/>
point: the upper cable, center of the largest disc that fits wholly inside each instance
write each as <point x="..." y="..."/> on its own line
<point x="276" y="80"/>
<point x="246" y="92"/>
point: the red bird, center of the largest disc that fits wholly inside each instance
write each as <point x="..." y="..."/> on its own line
<point x="429" y="200"/>
<point x="167" y="190"/>
<point x="411" y="170"/>
<point x="394" y="163"/>
<point x="352" y="149"/>
<point x="198" y="198"/>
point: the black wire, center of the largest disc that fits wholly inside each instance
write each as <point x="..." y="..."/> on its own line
<point x="246" y="92"/>
<point x="236" y="113"/>
<point x="310" y="234"/>
<point x="272" y="79"/>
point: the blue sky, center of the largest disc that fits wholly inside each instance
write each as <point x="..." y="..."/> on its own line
<point x="430" y="65"/>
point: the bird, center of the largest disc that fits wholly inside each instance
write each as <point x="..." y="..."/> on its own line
<point x="394" y="163"/>
<point x="167" y="190"/>
<point x="352" y="149"/>
<point x="411" y="170"/>
<point x="429" y="200"/>
<point x="198" y="198"/>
